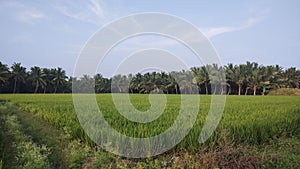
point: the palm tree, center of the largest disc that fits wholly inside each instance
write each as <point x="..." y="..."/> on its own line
<point x="165" y="83"/>
<point x="37" y="76"/>
<point x="197" y="78"/>
<point x="4" y="73"/>
<point x="214" y="73"/>
<point x="117" y="84"/>
<point x="268" y="75"/>
<point x="279" y="78"/>
<point x="59" y="78"/>
<point x="147" y="83"/>
<point x="256" y="79"/>
<point x="18" y="74"/>
<point x="172" y="81"/>
<point x="248" y="75"/>
<point x="201" y="77"/>
<point x="297" y="77"/>
<point x="184" y="79"/>
<point x="135" y="83"/>
<point x="292" y="77"/>
<point x="236" y="74"/>
<point x="48" y="77"/>
<point x="99" y="83"/>
<point x="221" y="79"/>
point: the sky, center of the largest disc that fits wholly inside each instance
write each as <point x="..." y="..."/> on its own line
<point x="52" y="33"/>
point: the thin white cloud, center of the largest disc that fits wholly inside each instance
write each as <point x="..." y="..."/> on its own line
<point x="89" y="11"/>
<point x="30" y="16"/>
<point x="144" y="41"/>
<point x="165" y="42"/>
<point x="96" y="8"/>
<point x="211" y="32"/>
<point x="21" y="12"/>
<point x="75" y="15"/>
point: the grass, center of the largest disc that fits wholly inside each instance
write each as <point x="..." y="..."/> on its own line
<point x="19" y="151"/>
<point x="259" y="131"/>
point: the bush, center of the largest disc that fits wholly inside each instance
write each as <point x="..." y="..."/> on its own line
<point x="286" y="91"/>
<point x="31" y="155"/>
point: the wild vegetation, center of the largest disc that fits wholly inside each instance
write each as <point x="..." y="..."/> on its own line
<point x="254" y="132"/>
<point x="18" y="149"/>
<point x="248" y="79"/>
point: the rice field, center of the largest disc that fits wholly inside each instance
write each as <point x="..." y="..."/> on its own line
<point x="253" y="120"/>
<point x="249" y="120"/>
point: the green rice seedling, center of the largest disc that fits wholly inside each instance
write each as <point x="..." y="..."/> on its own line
<point x="248" y="119"/>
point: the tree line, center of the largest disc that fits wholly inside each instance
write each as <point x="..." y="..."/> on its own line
<point x="248" y="79"/>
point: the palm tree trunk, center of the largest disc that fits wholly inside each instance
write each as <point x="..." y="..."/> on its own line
<point x="206" y="88"/>
<point x="176" y="90"/>
<point x="264" y="90"/>
<point x="221" y="92"/>
<point x="229" y="91"/>
<point x="55" y="88"/>
<point x="240" y="87"/>
<point x="246" y="90"/>
<point x="254" y="90"/>
<point x="215" y="89"/>
<point x="15" y="86"/>
<point x="36" y="88"/>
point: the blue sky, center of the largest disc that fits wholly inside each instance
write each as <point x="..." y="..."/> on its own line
<point x="51" y="33"/>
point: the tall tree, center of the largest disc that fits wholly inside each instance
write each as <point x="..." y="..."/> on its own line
<point x="173" y="84"/>
<point x="48" y="77"/>
<point x="36" y="75"/>
<point x="236" y="74"/>
<point x="292" y="78"/>
<point x="18" y="74"/>
<point x="4" y="74"/>
<point x="201" y="77"/>
<point x="268" y="75"/>
<point x="59" y="78"/>
<point x="255" y="80"/>
<point x="100" y="84"/>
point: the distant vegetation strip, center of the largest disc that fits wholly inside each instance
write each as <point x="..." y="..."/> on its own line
<point x="247" y="79"/>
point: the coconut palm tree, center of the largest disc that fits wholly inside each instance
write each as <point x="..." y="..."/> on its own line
<point x="59" y="78"/>
<point x="256" y="79"/>
<point x="236" y="74"/>
<point x="18" y="74"/>
<point x="268" y="74"/>
<point x="48" y="77"/>
<point x="4" y="74"/>
<point x="214" y="73"/>
<point x="37" y="75"/>
<point x="173" y="84"/>
<point x="221" y="80"/>
<point x="201" y="77"/>
<point x="292" y="78"/>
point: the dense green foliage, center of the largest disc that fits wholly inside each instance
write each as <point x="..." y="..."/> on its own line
<point x="249" y="78"/>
